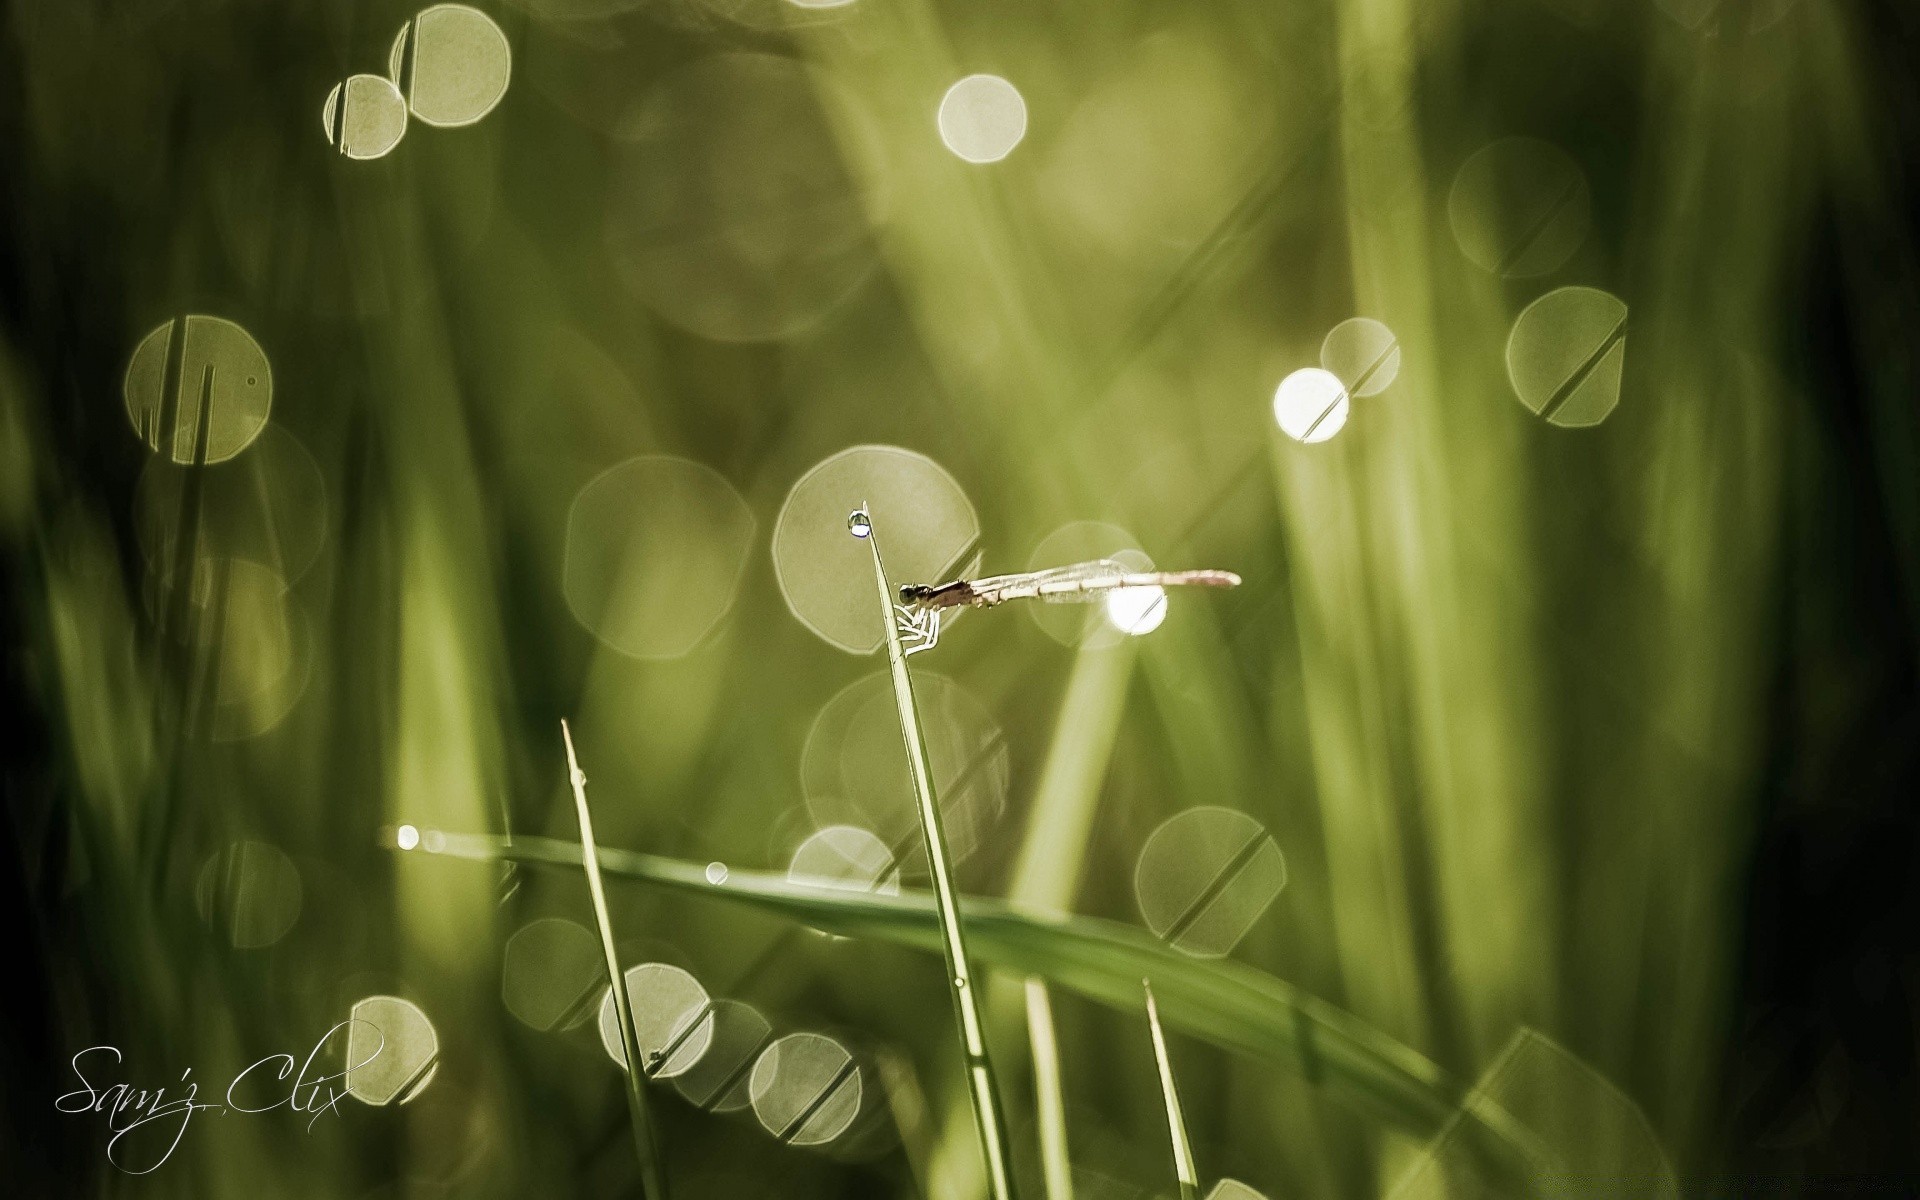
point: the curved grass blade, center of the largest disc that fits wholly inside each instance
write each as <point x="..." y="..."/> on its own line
<point x="1183" y="1169"/>
<point x="1224" y="1003"/>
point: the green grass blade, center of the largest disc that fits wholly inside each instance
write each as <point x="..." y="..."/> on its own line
<point x="1225" y="1003"/>
<point x="1183" y="1168"/>
<point x="981" y="1088"/>
<point x="1050" y="1106"/>
<point x="645" y="1143"/>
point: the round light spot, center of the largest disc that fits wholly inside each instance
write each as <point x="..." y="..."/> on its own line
<point x="1205" y="876"/>
<point x="1519" y="207"/>
<point x="1136" y="611"/>
<point x="847" y="858"/>
<point x="550" y="974"/>
<point x="853" y="766"/>
<point x="732" y="211"/>
<point x="716" y="873"/>
<point x="250" y="892"/>
<point x="453" y="63"/>
<point x="982" y="118"/>
<point x="1311" y="405"/>
<point x="719" y="1081"/>
<point x="1135" y="175"/>
<point x="655" y="550"/>
<point x="1363" y="354"/>
<point x="267" y="504"/>
<point x="1074" y="542"/>
<point x="365" y="116"/>
<point x="1566" y="355"/>
<point x="198" y="389"/>
<point x="924" y="521"/>
<point x="407" y="837"/>
<point x="671" y="1015"/>
<point x="250" y="639"/>
<point x="806" y="1089"/>
<point x="392" y="1051"/>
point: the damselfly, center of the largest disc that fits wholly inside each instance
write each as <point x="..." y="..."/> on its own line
<point x="921" y="605"/>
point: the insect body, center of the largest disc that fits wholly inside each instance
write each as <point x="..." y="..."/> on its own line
<point x="921" y="604"/>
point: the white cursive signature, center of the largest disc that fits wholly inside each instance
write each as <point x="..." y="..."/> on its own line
<point x="130" y="1111"/>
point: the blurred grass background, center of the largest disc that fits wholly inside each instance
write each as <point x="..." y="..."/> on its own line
<point x="1598" y="732"/>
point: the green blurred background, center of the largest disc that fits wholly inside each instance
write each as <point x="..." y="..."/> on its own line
<point x="1605" y="732"/>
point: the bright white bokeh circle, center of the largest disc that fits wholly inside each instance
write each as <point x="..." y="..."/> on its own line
<point x="1137" y="610"/>
<point x="982" y="118"/>
<point x="1310" y="405"/>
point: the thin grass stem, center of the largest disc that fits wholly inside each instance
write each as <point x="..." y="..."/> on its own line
<point x="966" y="1001"/>
<point x="1183" y="1168"/>
<point x="646" y="1144"/>
<point x="1049" y="1097"/>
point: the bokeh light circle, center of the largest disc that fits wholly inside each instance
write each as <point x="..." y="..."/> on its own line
<point x="251" y="892"/>
<point x="551" y="973"/>
<point x="982" y="118"/>
<point x="185" y="362"/>
<point x="1076" y="542"/>
<point x="806" y="1089"/>
<point x="1205" y="876"/>
<point x="251" y="639"/>
<point x="1567" y="354"/>
<point x="672" y="1016"/>
<point x="1519" y="207"/>
<point x="719" y="1082"/>
<point x="1136" y="611"/>
<point x="393" y="1051"/>
<point x="847" y="858"/>
<point x="925" y="523"/>
<point x="733" y="213"/>
<point x="655" y="550"/>
<point x="853" y="766"/>
<point x="365" y="116"/>
<point x="453" y="63"/>
<point x="267" y="504"/>
<point x="1310" y="405"/>
<point x="1363" y="355"/>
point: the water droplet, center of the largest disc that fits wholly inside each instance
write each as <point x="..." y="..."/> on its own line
<point x="716" y="872"/>
<point x="860" y="525"/>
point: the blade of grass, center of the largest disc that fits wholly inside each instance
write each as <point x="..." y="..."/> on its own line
<point x="645" y="1143"/>
<point x="1183" y="1168"/>
<point x="966" y="1000"/>
<point x="1225" y="1003"/>
<point x="1049" y="1098"/>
